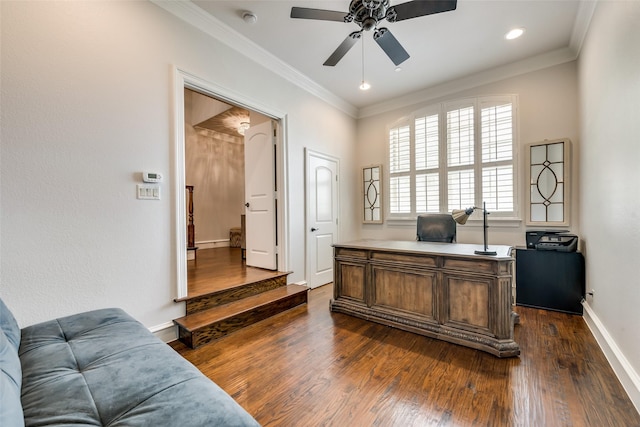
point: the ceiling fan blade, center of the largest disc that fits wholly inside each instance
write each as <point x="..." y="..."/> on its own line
<point x="390" y="45"/>
<point x="321" y="14"/>
<point x="416" y="8"/>
<point x="344" y="47"/>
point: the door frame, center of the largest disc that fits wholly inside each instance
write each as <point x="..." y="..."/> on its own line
<point x="181" y="80"/>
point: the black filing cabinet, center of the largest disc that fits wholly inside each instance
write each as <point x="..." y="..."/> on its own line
<point x="549" y="279"/>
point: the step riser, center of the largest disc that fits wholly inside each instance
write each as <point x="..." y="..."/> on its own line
<point x="226" y="326"/>
<point x="223" y="297"/>
<point x="185" y="337"/>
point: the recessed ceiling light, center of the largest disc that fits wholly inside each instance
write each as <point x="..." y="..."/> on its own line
<point x="398" y="69"/>
<point x="514" y="34"/>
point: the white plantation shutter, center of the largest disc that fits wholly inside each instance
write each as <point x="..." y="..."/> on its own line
<point x="497" y="156"/>
<point x="460" y="189"/>
<point x="399" y="170"/>
<point x="399" y="149"/>
<point x="460" y="141"/>
<point x="427" y="141"/>
<point x="497" y="188"/>
<point x="400" y="194"/>
<point x="497" y="133"/>
<point x="428" y="193"/>
<point x="459" y="155"/>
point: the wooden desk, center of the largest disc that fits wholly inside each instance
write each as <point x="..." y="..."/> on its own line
<point x="440" y="290"/>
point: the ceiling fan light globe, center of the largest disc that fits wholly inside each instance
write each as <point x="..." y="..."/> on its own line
<point x="369" y="24"/>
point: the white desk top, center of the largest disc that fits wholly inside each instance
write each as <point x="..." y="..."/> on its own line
<point x="411" y="246"/>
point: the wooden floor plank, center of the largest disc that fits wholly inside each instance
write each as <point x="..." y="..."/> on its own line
<point x="219" y="268"/>
<point x="311" y="367"/>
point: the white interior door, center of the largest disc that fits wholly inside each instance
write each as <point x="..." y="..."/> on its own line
<point x="260" y="206"/>
<point x="322" y="216"/>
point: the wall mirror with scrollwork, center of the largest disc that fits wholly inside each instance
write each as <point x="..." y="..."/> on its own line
<point x="549" y="186"/>
<point x="372" y="194"/>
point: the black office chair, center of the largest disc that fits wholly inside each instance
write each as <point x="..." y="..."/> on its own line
<point x="436" y="228"/>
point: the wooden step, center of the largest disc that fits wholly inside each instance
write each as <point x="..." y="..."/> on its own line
<point x="208" y="325"/>
<point x="233" y="293"/>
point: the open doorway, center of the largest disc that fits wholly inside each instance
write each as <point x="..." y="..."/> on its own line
<point x="230" y="183"/>
<point x="209" y="157"/>
<point x="214" y="171"/>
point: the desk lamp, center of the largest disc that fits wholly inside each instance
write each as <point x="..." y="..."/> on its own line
<point x="461" y="215"/>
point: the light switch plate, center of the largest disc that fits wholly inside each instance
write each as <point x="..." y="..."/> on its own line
<point x="147" y="192"/>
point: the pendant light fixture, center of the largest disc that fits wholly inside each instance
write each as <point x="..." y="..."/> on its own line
<point x="242" y="127"/>
<point x="363" y="85"/>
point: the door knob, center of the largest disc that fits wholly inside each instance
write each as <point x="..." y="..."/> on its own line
<point x="314" y="229"/>
<point x="247" y="204"/>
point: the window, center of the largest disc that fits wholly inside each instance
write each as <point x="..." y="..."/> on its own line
<point x="453" y="156"/>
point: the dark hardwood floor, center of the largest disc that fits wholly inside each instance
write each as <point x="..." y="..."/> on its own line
<point x="311" y="367"/>
<point x="218" y="268"/>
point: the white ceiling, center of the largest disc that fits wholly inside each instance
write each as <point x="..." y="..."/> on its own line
<point x="443" y="47"/>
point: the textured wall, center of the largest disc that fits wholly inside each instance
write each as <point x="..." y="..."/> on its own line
<point x="610" y="159"/>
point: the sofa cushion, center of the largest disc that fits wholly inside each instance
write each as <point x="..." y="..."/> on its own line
<point x="9" y="325"/>
<point x="105" y="368"/>
<point x="10" y="371"/>
<point x="10" y="380"/>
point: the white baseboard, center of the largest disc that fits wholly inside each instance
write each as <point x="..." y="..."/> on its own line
<point x="207" y="244"/>
<point x="167" y="332"/>
<point x="624" y="371"/>
<point x="210" y="244"/>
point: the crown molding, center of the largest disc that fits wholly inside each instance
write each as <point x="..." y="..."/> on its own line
<point x="581" y="24"/>
<point x="198" y="18"/>
<point x="534" y="63"/>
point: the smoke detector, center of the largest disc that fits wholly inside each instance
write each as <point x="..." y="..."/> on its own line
<point x="249" y="17"/>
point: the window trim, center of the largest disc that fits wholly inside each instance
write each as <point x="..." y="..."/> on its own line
<point x="507" y="219"/>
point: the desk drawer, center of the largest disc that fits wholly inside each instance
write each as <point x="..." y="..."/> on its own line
<point x="407" y="259"/>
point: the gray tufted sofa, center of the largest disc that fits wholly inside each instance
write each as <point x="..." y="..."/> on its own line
<point x="103" y="368"/>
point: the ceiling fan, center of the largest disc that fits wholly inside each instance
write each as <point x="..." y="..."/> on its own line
<point x="367" y="14"/>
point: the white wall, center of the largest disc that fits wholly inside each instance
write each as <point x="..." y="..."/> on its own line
<point x="609" y="80"/>
<point x="548" y="101"/>
<point x="86" y="106"/>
